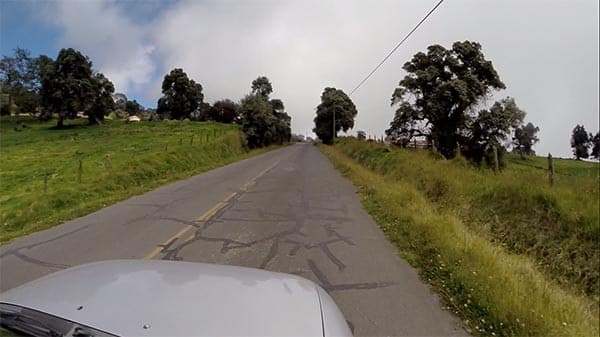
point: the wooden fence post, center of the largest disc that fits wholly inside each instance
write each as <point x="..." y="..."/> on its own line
<point x="107" y="161"/>
<point x="550" y="169"/>
<point x="192" y="140"/>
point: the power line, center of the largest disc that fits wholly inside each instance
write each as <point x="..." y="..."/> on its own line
<point x="396" y="47"/>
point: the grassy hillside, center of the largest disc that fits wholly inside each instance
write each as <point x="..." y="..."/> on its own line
<point x="509" y="254"/>
<point x="118" y="160"/>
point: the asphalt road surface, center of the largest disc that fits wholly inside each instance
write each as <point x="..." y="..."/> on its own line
<point x="287" y="210"/>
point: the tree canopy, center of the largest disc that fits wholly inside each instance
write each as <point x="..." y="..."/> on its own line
<point x="282" y="125"/>
<point x="436" y="97"/>
<point x="525" y="138"/>
<point x="224" y="111"/>
<point x="20" y="79"/>
<point x="264" y="121"/>
<point x="489" y="129"/>
<point x="18" y="71"/>
<point x="120" y="100"/>
<point x="256" y="120"/>
<point x="596" y="146"/>
<point x="262" y="86"/>
<point x="333" y="101"/>
<point x="133" y="108"/>
<point x="102" y="102"/>
<point x="181" y="95"/>
<point x="580" y="142"/>
<point x="72" y="86"/>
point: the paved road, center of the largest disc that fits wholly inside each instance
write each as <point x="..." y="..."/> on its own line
<point x="287" y="210"/>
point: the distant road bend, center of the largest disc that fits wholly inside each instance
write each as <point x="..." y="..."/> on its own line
<point x="287" y="210"/>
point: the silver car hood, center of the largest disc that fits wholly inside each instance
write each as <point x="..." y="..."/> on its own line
<point x="183" y="299"/>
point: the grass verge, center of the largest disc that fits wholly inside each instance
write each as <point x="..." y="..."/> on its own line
<point x="39" y="167"/>
<point x="496" y="292"/>
<point x="558" y="226"/>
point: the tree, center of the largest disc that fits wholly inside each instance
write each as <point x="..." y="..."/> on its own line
<point x="27" y="101"/>
<point x="262" y="86"/>
<point x="102" y="102"/>
<point x="203" y="111"/>
<point x="492" y="126"/>
<point x="524" y="139"/>
<point x="71" y="88"/>
<point x="596" y="146"/>
<point x="133" y="108"/>
<point x="264" y="121"/>
<point x="120" y="100"/>
<point x="181" y="96"/>
<point x="489" y="128"/>
<point x="361" y="135"/>
<point x="257" y="120"/>
<point x="580" y="141"/>
<point x="283" y="130"/>
<point x="19" y="81"/>
<point x="69" y="85"/>
<point x="441" y="88"/>
<point x="334" y="103"/>
<point x="224" y="111"/>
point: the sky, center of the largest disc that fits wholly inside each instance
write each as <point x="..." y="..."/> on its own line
<point x="546" y="52"/>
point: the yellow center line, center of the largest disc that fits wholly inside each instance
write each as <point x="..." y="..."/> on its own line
<point x="160" y="247"/>
<point x="229" y="197"/>
<point x="207" y="215"/>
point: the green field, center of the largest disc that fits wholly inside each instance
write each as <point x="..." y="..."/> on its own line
<point x="508" y="253"/>
<point x="39" y="166"/>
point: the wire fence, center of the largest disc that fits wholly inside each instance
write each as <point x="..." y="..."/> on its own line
<point x="92" y="168"/>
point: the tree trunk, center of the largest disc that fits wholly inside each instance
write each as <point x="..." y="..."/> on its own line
<point x="60" y="122"/>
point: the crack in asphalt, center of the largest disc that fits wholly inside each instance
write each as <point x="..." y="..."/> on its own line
<point x="194" y="223"/>
<point x="16" y="252"/>
<point x="296" y="213"/>
<point x="329" y="287"/>
<point x="223" y="219"/>
<point x="35" y="261"/>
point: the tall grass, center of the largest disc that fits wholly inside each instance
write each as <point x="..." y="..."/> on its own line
<point x="118" y="160"/>
<point x="430" y="209"/>
<point x="558" y="226"/>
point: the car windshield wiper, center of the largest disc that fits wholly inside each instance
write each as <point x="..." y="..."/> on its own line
<point x="26" y="325"/>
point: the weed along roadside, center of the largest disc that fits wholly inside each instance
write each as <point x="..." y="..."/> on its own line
<point x="503" y="274"/>
<point x="50" y="176"/>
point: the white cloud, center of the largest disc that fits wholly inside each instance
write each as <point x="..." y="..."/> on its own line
<point x="117" y="47"/>
<point x="302" y="46"/>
